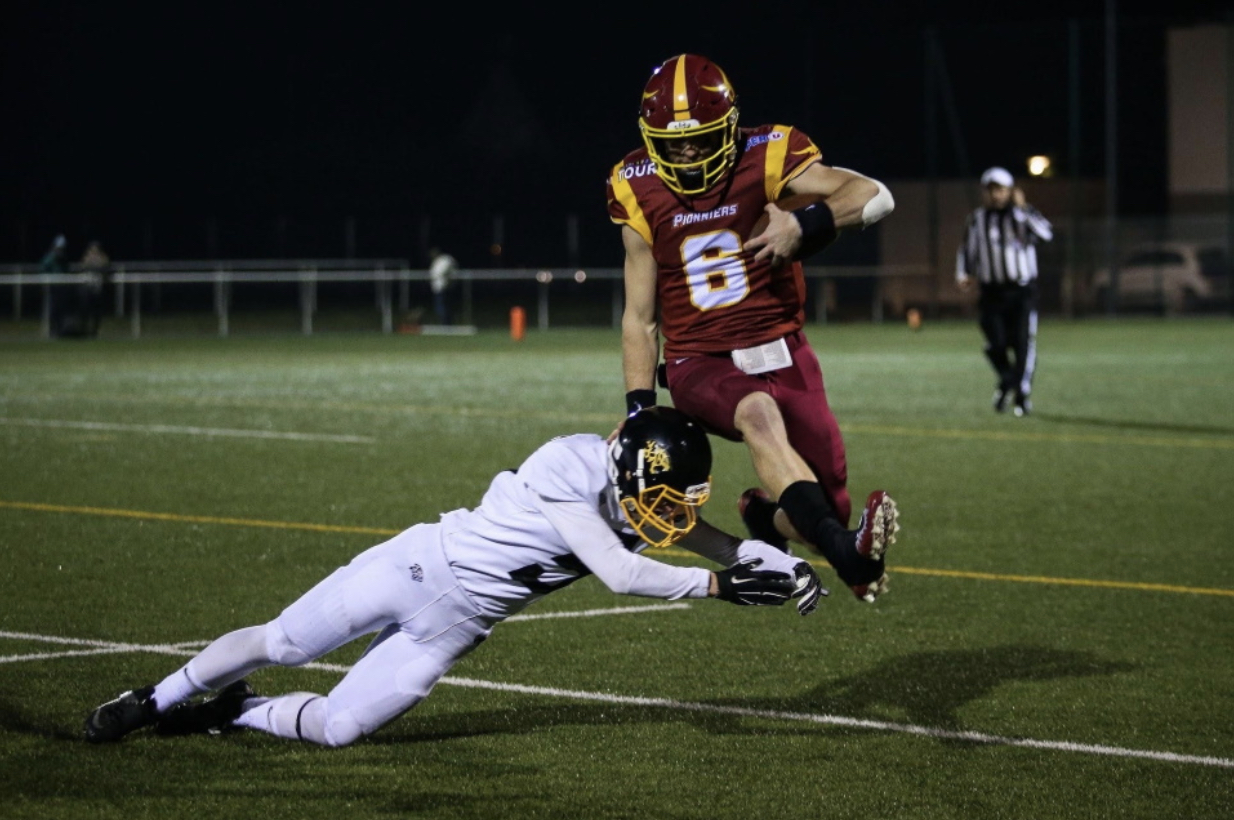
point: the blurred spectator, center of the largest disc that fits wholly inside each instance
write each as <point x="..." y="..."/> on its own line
<point x="56" y="258"/>
<point x="95" y="259"/>
<point x="442" y="269"/>
<point x="97" y="264"/>
<point x="61" y="298"/>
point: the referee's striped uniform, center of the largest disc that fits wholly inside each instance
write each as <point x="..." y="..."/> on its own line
<point x="1000" y="247"/>
<point x="1000" y="251"/>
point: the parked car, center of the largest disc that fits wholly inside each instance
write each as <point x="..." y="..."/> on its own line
<point x="1173" y="276"/>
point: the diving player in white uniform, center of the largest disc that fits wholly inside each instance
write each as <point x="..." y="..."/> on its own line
<point x="577" y="506"/>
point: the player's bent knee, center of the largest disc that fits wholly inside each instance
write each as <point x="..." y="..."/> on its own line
<point x="342" y="730"/>
<point x="758" y="415"/>
<point x="280" y="648"/>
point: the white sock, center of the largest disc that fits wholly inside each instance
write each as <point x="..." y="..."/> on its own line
<point x="297" y="716"/>
<point x="177" y="687"/>
<point x="226" y="660"/>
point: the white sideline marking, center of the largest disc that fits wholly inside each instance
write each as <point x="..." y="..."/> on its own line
<point x="187" y="431"/>
<point x="590" y="613"/>
<point x="191" y="648"/>
<point x="186" y="648"/>
<point x="99" y="647"/>
<point x="853" y="723"/>
<point x="43" y="656"/>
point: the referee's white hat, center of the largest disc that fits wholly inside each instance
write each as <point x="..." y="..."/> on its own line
<point x="998" y="176"/>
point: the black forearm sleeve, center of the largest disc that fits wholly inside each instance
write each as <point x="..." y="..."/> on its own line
<point x="638" y="399"/>
<point x="818" y="229"/>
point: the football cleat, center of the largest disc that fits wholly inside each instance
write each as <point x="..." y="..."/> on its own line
<point x="213" y="715"/>
<point x="758" y="512"/>
<point x="868" y="592"/>
<point x="1000" y="399"/>
<point x="880" y="521"/>
<point x="1023" y="406"/>
<point x="129" y="712"/>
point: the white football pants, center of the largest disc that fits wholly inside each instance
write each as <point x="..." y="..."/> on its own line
<point x="404" y="590"/>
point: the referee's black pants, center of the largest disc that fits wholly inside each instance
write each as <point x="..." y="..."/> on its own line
<point x="1009" y="323"/>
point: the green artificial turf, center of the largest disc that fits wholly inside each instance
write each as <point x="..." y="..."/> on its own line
<point x="1057" y="641"/>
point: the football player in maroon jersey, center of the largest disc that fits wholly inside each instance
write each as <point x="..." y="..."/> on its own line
<point x="715" y="222"/>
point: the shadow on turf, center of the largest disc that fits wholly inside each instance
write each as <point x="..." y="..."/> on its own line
<point x="925" y="688"/>
<point x="13" y="720"/>
<point x="1149" y="427"/>
<point x="929" y="688"/>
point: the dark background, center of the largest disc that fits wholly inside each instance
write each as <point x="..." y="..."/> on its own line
<point x="247" y="130"/>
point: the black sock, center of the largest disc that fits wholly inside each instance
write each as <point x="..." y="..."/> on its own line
<point x="814" y="518"/>
<point x="812" y="515"/>
<point x="760" y="519"/>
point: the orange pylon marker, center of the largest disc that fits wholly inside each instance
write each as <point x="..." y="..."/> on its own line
<point x="518" y="323"/>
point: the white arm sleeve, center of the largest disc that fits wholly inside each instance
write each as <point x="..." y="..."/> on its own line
<point x="878" y="207"/>
<point x="881" y="204"/>
<point x="588" y="536"/>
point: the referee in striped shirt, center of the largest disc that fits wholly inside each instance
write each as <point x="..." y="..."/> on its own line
<point x="1000" y="251"/>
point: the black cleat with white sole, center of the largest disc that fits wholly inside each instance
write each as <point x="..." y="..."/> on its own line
<point x="129" y="712"/>
<point x="213" y="715"/>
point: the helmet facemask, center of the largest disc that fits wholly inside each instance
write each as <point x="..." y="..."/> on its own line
<point x="716" y="142"/>
<point x="661" y="515"/>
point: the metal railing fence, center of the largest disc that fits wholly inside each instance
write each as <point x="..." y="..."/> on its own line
<point x="561" y="297"/>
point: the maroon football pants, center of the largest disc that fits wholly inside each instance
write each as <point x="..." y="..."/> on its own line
<point x="710" y="387"/>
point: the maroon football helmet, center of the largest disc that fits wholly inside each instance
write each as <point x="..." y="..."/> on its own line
<point x="689" y="99"/>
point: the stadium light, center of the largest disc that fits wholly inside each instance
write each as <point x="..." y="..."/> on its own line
<point x="1040" y="166"/>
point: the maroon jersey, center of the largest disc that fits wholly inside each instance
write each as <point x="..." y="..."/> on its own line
<point x="713" y="296"/>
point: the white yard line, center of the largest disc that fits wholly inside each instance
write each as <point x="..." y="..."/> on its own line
<point x="72" y="653"/>
<point x="591" y="613"/>
<point x="98" y="647"/>
<point x="187" y="431"/>
<point x="189" y="648"/>
<point x="847" y="722"/>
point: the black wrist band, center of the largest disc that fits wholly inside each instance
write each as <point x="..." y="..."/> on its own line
<point x="638" y="399"/>
<point x="818" y="228"/>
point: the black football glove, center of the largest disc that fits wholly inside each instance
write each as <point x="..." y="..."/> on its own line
<point x="809" y="589"/>
<point x="743" y="585"/>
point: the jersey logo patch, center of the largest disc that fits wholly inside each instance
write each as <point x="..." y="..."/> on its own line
<point x="417" y="573"/>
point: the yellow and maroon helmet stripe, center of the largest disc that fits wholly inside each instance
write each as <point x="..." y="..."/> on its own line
<point x="682" y="104"/>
